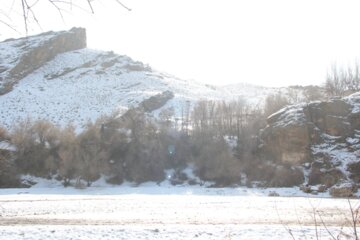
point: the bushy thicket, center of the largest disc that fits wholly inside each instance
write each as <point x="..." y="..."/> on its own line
<point x="125" y="149"/>
<point x="219" y="139"/>
<point x="8" y="172"/>
<point x="215" y="161"/>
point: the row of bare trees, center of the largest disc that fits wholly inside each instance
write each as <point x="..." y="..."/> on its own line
<point x="223" y="118"/>
<point x="342" y="81"/>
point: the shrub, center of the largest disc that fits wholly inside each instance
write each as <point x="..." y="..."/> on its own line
<point x="3" y="134"/>
<point x="68" y="152"/>
<point x="145" y="159"/>
<point x="326" y="177"/>
<point x="8" y="173"/>
<point x="92" y="155"/>
<point x="343" y="191"/>
<point x="286" y="177"/>
<point x="214" y="161"/>
<point x="35" y="143"/>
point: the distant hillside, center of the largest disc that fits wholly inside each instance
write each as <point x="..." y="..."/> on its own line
<point x="54" y="76"/>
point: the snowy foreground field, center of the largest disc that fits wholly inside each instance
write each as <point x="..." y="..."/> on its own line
<point x="164" y="212"/>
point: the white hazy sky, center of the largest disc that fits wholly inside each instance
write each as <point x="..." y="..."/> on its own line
<point x="271" y="43"/>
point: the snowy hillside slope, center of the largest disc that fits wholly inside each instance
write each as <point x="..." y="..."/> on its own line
<point x="81" y="85"/>
<point x="253" y="94"/>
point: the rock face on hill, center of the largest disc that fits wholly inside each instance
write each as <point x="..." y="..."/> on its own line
<point x="35" y="53"/>
<point x="322" y="137"/>
<point x="157" y="101"/>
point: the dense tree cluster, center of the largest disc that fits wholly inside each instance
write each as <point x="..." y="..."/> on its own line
<point x="138" y="148"/>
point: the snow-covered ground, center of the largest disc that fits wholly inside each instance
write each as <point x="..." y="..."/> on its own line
<point x="183" y="232"/>
<point x="150" y="211"/>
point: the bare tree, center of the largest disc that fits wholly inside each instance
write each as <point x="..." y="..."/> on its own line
<point x="68" y="151"/>
<point x="333" y="84"/>
<point x="343" y="81"/>
<point x="92" y="155"/>
<point x="35" y="144"/>
<point x="165" y="118"/>
<point x="312" y="93"/>
<point x="293" y="95"/>
<point x="30" y="12"/>
<point x="274" y="103"/>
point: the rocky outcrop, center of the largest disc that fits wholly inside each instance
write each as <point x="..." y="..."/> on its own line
<point x="287" y="137"/>
<point x="146" y="106"/>
<point x="36" y="53"/>
<point x="331" y="117"/>
<point x="292" y="131"/>
<point x="322" y="135"/>
<point x="156" y="101"/>
<point x="288" y="144"/>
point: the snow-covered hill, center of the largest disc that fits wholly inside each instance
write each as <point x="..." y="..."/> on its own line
<point x="45" y="77"/>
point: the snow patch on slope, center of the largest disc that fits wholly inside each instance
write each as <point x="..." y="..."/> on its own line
<point x="354" y="100"/>
<point x="290" y="115"/>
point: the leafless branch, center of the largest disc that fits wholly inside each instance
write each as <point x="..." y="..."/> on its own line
<point x="58" y="9"/>
<point x="299" y="222"/>
<point x="29" y="15"/>
<point x="314" y="212"/>
<point x="354" y="216"/>
<point x="9" y="26"/>
<point x="123" y="5"/>
<point x="326" y="228"/>
<point x="24" y="15"/>
<point x="287" y="229"/>
<point x="30" y="11"/>
<point x="90" y="6"/>
<point x="6" y="22"/>
<point x="32" y="5"/>
<point x="70" y="3"/>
